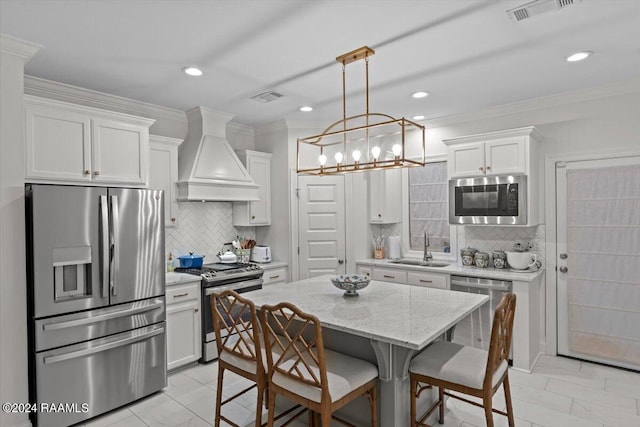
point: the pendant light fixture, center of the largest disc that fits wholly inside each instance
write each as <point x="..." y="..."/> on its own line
<point x="364" y="142"/>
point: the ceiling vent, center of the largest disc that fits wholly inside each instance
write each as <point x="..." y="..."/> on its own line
<point x="538" y="7"/>
<point x="269" y="96"/>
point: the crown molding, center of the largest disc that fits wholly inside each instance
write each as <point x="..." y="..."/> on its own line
<point x="37" y="86"/>
<point x="16" y="47"/>
<point x="597" y="92"/>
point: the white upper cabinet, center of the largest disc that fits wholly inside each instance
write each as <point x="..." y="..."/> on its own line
<point x="258" y="212"/>
<point x="385" y="196"/>
<point x="68" y="142"/>
<point x="499" y="156"/>
<point x="163" y="173"/>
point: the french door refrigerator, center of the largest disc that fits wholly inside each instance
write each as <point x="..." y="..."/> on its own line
<point x="96" y="305"/>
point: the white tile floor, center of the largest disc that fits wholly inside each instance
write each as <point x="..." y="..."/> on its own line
<point x="560" y="392"/>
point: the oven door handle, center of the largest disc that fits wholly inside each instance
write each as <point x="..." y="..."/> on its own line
<point x="233" y="286"/>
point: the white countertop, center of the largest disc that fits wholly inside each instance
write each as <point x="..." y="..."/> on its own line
<point x="174" y="278"/>
<point x="408" y="316"/>
<point x="272" y="265"/>
<point x="489" y="273"/>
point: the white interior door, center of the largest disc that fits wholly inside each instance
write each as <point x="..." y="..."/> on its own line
<point x="321" y="215"/>
<point x="598" y="276"/>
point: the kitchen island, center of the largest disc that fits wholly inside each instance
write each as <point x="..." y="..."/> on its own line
<point x="387" y="324"/>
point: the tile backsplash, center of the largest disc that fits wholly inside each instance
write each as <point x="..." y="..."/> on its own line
<point x="489" y="238"/>
<point x="203" y="228"/>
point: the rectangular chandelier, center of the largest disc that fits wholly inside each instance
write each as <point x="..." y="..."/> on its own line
<point x="369" y="141"/>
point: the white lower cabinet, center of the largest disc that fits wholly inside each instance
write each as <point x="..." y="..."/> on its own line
<point x="364" y="271"/>
<point x="183" y="324"/>
<point x="429" y="280"/>
<point x="275" y="276"/>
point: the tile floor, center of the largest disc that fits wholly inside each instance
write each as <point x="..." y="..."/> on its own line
<point x="560" y="392"/>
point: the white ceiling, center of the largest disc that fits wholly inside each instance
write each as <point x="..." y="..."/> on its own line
<point x="468" y="54"/>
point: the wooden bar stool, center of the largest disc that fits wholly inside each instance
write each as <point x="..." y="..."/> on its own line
<point x="240" y="350"/>
<point x="306" y="373"/>
<point x="467" y="370"/>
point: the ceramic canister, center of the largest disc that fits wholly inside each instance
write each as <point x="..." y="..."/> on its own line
<point x="481" y="259"/>
<point x="466" y="254"/>
<point x="499" y="259"/>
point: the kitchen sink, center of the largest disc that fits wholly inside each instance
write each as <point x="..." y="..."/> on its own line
<point x="408" y="261"/>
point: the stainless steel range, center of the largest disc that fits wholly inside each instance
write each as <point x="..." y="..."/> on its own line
<point x="215" y="279"/>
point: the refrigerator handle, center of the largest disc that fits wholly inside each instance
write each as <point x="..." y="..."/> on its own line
<point x="115" y="245"/>
<point x="104" y="244"/>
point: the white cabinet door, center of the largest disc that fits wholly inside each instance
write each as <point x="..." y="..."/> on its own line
<point x="58" y="144"/>
<point x="274" y="276"/>
<point x="163" y="173"/>
<point x="506" y="156"/>
<point x="248" y="214"/>
<point x="183" y="324"/>
<point x="466" y="160"/>
<point x="120" y="152"/>
<point x="260" y="170"/>
<point x="385" y="196"/>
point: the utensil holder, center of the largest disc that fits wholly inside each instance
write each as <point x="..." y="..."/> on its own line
<point x="243" y="255"/>
<point x="378" y="253"/>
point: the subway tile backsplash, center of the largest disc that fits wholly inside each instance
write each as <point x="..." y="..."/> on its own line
<point x="203" y="228"/>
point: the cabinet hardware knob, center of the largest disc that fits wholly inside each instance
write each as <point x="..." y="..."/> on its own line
<point x="379" y="215"/>
<point x="87" y="172"/>
<point x="96" y="173"/>
<point x="196" y="310"/>
<point x="173" y="219"/>
<point x="564" y="256"/>
<point x="253" y="217"/>
<point x="181" y="295"/>
<point x="488" y="167"/>
<point x="340" y="261"/>
<point x="563" y="269"/>
<point x="481" y="168"/>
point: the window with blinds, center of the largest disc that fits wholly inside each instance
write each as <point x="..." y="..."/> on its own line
<point x="429" y="207"/>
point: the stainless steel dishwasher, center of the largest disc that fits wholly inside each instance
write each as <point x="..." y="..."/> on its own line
<point x="475" y="329"/>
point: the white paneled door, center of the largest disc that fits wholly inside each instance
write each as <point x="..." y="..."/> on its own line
<point x="598" y="273"/>
<point x="321" y="237"/>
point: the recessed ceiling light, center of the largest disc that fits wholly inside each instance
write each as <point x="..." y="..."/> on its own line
<point x="420" y="94"/>
<point x="579" y="56"/>
<point x="192" y="71"/>
<point x="418" y="117"/>
<point x="306" y="108"/>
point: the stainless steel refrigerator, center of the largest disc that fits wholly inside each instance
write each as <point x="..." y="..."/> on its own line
<point x="96" y="305"/>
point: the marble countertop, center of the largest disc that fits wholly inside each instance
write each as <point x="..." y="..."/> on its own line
<point x="407" y="316"/>
<point x="489" y="273"/>
<point x="173" y="278"/>
<point x="272" y="265"/>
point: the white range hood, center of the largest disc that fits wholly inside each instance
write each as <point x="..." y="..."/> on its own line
<point x="208" y="168"/>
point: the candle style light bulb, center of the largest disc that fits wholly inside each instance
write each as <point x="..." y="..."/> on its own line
<point x="356" y="155"/>
<point x="339" y="157"/>
<point x="375" y="151"/>
<point x="322" y="159"/>
<point x="397" y="149"/>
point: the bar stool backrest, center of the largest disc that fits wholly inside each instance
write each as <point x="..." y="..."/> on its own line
<point x="501" y="333"/>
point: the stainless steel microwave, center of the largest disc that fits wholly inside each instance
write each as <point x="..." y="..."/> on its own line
<point x="498" y="200"/>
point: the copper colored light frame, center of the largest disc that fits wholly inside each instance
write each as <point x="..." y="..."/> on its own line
<point x="316" y="140"/>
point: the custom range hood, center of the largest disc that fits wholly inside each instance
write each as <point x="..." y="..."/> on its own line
<point x="208" y="168"/>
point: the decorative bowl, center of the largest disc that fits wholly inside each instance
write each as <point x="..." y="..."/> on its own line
<point x="350" y="283"/>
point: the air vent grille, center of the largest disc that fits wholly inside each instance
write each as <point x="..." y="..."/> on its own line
<point x="268" y="96"/>
<point x="538" y="7"/>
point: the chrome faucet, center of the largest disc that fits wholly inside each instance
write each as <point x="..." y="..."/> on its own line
<point x="427" y="254"/>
